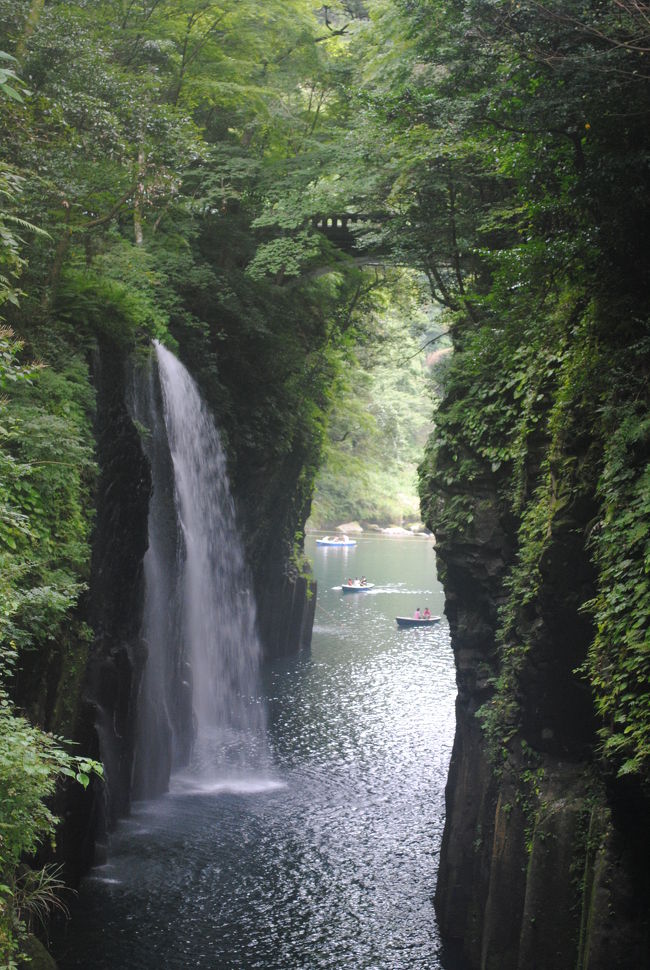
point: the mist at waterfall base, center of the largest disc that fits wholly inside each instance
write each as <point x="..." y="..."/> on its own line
<point x="308" y="841"/>
<point x="199" y="706"/>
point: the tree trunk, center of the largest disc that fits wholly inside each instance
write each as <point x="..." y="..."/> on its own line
<point x="35" y="11"/>
<point x="137" y="204"/>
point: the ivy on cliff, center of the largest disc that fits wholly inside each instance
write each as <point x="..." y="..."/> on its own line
<point x="543" y="427"/>
<point x="619" y="657"/>
<point x="42" y="556"/>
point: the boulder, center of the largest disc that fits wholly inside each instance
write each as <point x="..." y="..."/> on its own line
<point x="349" y="527"/>
<point x="37" y="957"/>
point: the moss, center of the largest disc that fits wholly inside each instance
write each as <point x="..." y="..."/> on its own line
<point x="546" y="425"/>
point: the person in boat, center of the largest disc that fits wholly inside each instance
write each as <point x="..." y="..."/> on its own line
<point x="426" y="615"/>
<point x="417" y="615"/>
<point x="364" y="581"/>
<point x="350" y="583"/>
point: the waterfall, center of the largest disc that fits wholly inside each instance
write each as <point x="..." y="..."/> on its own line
<point x="198" y="699"/>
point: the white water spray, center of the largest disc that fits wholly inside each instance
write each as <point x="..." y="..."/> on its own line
<point x="206" y="615"/>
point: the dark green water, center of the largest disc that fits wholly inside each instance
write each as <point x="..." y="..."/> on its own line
<point x="329" y="862"/>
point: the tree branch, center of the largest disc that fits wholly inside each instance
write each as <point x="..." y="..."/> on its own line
<point x="439" y="336"/>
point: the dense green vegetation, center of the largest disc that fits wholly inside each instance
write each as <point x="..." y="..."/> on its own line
<point x="46" y="469"/>
<point x="381" y="417"/>
<point x="545" y="412"/>
<point x="162" y="163"/>
<point x="141" y="142"/>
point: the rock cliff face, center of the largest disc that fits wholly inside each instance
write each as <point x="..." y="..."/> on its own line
<point x="542" y="857"/>
<point x="116" y="588"/>
<point x="273" y="510"/>
<point x="286" y="608"/>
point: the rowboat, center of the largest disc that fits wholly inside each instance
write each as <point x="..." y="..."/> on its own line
<point x="411" y="621"/>
<point x="356" y="587"/>
<point x="336" y="542"/>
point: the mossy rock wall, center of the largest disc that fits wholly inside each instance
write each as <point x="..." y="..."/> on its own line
<point x="535" y="501"/>
<point x="545" y="880"/>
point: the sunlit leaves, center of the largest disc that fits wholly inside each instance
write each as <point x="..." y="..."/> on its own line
<point x="381" y="416"/>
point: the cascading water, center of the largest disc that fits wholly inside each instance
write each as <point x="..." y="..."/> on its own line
<point x="164" y="725"/>
<point x="199" y="687"/>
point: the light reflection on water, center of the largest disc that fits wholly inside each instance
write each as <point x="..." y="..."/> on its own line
<point x="330" y="861"/>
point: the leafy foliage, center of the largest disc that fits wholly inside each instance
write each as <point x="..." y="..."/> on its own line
<point x="380" y="418"/>
<point x="175" y="157"/>
<point x="40" y="524"/>
<point x="532" y="114"/>
<point x="619" y="658"/>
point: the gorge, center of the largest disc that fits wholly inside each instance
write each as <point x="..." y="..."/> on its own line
<point x="164" y="170"/>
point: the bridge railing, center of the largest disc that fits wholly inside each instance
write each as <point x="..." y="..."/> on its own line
<point x="345" y="219"/>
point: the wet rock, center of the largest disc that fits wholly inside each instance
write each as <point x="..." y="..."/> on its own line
<point x="116" y="586"/>
<point x="540" y="860"/>
<point x="287" y="605"/>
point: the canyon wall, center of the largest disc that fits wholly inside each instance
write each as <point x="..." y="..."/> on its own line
<point x="543" y="863"/>
<point x="545" y="850"/>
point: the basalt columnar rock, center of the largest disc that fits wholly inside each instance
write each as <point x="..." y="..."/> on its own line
<point x="273" y="501"/>
<point x="110" y="664"/>
<point x="544" y="857"/>
<point x="117" y="654"/>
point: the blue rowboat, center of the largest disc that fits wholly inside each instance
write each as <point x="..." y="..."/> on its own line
<point x="356" y="587"/>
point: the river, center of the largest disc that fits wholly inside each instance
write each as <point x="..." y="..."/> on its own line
<point x="328" y="861"/>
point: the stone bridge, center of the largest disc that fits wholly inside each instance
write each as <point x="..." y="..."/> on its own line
<point x="339" y="229"/>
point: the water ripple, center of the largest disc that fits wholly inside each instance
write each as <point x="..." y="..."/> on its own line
<point x="329" y="861"/>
